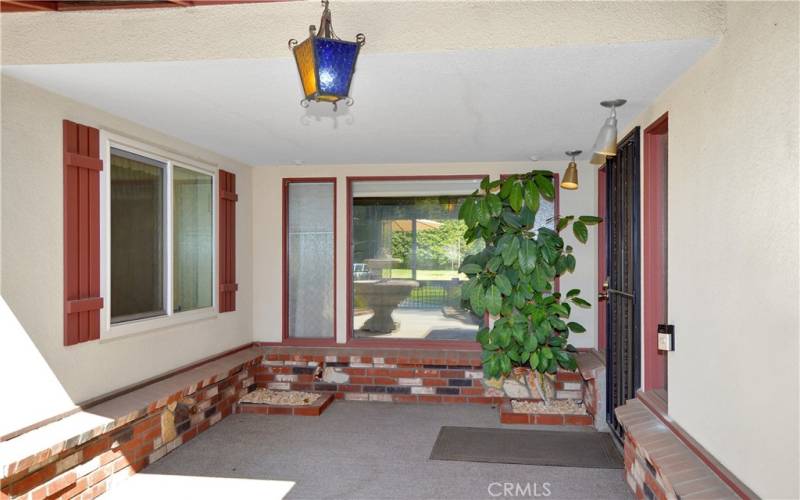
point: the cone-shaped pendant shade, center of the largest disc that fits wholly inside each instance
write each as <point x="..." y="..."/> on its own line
<point x="570" y="180"/>
<point x="597" y="159"/>
<point x="606" y="143"/>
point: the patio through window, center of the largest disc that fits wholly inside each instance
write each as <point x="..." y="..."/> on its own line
<point x="407" y="247"/>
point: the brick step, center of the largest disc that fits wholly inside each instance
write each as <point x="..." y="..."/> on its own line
<point x="508" y="416"/>
<point x="315" y="409"/>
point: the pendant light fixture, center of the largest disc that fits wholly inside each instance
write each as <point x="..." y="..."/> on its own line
<point x="326" y="63"/>
<point x="570" y="180"/>
<point x="606" y="143"/>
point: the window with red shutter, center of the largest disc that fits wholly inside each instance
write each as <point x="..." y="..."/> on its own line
<point x="82" y="300"/>
<point x="227" y="241"/>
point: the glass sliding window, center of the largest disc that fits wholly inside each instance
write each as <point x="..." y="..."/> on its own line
<point x="407" y="246"/>
<point x="310" y="259"/>
<point x="193" y="237"/>
<point x="136" y="236"/>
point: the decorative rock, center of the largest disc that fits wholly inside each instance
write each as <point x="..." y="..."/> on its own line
<point x="287" y="398"/>
<point x="333" y="375"/>
<point x="515" y="389"/>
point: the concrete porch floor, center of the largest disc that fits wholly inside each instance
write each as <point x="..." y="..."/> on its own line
<point x="354" y="450"/>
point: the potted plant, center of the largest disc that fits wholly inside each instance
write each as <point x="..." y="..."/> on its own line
<point x="513" y="279"/>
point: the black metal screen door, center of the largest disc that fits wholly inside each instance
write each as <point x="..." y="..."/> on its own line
<point x="621" y="288"/>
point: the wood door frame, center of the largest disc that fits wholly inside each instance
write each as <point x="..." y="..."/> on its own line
<point x="655" y="251"/>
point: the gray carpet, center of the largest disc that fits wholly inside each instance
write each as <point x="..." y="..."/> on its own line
<point x="515" y="446"/>
<point x="370" y="451"/>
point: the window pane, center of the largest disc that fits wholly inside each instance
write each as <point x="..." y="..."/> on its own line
<point x="137" y="236"/>
<point x="192" y="229"/>
<point x="310" y="254"/>
<point x="406" y="254"/>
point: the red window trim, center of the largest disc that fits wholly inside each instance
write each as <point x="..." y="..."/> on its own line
<point x="285" y="337"/>
<point x="404" y="343"/>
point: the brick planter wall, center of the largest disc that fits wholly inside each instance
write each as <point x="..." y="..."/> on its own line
<point x="89" y="469"/>
<point x="389" y="375"/>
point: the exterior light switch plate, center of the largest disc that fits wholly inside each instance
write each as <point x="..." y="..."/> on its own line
<point x="666" y="337"/>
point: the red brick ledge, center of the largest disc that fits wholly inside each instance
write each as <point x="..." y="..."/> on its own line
<point x="44" y="444"/>
<point x="658" y="461"/>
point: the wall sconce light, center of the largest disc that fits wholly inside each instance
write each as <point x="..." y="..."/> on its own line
<point x="325" y="62"/>
<point x="570" y="180"/>
<point x="606" y="143"/>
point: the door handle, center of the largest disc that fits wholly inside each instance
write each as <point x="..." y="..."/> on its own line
<point x="603" y="295"/>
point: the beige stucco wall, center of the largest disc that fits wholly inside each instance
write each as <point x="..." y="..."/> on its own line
<point x="32" y="265"/>
<point x="267" y="208"/>
<point x="733" y="247"/>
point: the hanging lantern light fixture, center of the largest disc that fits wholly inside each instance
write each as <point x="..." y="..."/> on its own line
<point x="326" y="63"/>
<point x="570" y="180"/>
<point x="606" y="143"/>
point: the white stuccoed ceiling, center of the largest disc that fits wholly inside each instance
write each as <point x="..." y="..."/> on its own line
<point x="459" y="106"/>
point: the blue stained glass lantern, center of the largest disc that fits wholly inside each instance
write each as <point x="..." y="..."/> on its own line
<point x="326" y="63"/>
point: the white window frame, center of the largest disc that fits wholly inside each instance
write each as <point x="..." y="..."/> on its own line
<point x="171" y="318"/>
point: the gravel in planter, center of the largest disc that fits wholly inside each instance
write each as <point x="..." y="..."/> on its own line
<point x="286" y="398"/>
<point x="557" y="406"/>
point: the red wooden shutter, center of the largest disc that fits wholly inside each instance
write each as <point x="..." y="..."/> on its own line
<point x="227" y="241"/>
<point x="82" y="300"/>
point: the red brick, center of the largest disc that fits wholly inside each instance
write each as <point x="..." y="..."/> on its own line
<point x="100" y="474"/>
<point x="307" y="411"/>
<point x="513" y="418"/>
<point x="354" y="371"/>
<point x="61" y="482"/>
<point x="434" y="381"/>
<point x="423" y="398"/>
<point x="426" y="372"/>
<point x="30" y="481"/>
<point x="384" y="381"/>
<point x="405" y="398"/>
<point x="109" y="456"/>
<point x="451" y="373"/>
<point x="578" y="420"/>
<point x="349" y="388"/>
<point x="472" y="391"/>
<point x="361" y="380"/>
<point x="279" y="411"/>
<point x="569" y="377"/>
<point x="544" y="419"/>
<point x="480" y="399"/>
<point x="96" y="447"/>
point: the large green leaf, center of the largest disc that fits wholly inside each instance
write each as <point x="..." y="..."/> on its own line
<point x="576" y="327"/>
<point x="590" y="219"/>
<point x="494" y="263"/>
<point x="505" y="189"/>
<point x="483" y="212"/>
<point x="534" y="361"/>
<point x="545" y="185"/>
<point x="503" y="284"/>
<point x="580" y="230"/>
<point x="510" y="252"/>
<point x="470" y="268"/>
<point x="494" y="203"/>
<point x="493" y="300"/>
<point x="527" y="256"/>
<point x="512" y="219"/>
<point x="573" y="293"/>
<point x="531" y="197"/>
<point x="515" y="198"/>
<point x="477" y="300"/>
<point x="580" y="302"/>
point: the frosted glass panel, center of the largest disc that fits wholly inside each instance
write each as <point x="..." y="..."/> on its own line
<point x="310" y="255"/>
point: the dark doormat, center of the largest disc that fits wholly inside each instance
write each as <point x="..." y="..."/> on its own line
<point x="517" y="446"/>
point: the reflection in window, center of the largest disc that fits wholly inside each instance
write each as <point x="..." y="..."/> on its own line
<point x="192" y="239"/>
<point x="137" y="236"/>
<point x="407" y="247"/>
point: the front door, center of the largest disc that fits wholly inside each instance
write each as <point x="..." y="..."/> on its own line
<point x="619" y="289"/>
